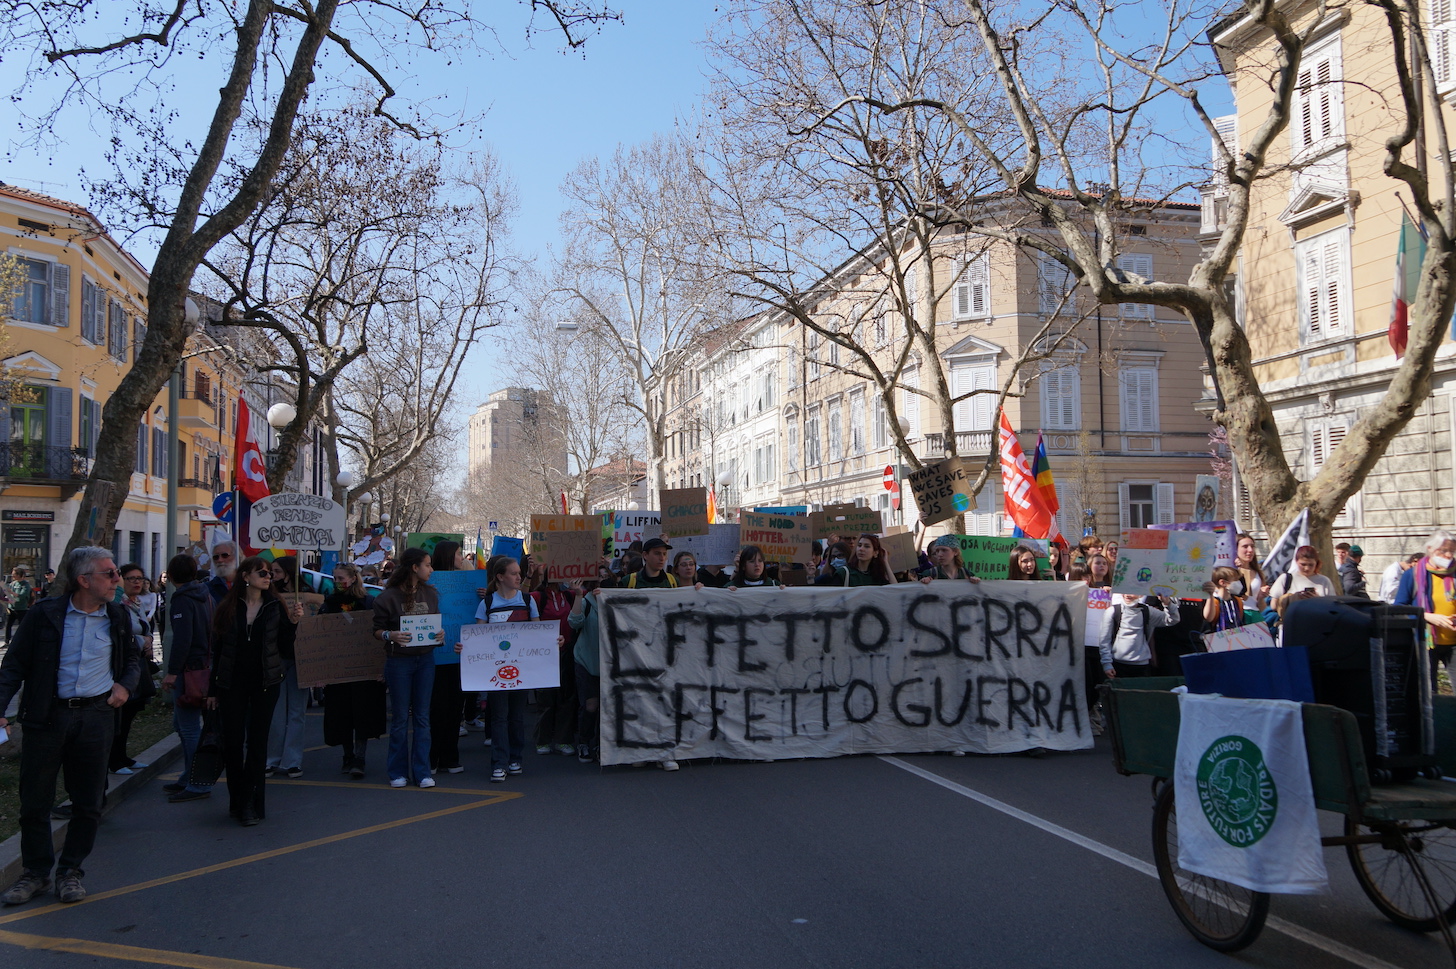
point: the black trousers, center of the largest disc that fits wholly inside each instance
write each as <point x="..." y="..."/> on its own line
<point x="12" y="620"/>
<point x="1093" y="676"/>
<point x="556" y="721"/>
<point x="445" y="705"/>
<point x="125" y="714"/>
<point x="246" y="715"/>
<point x="77" y="740"/>
<point x="1133" y="669"/>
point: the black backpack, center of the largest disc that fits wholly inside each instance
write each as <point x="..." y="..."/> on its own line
<point x="1147" y="620"/>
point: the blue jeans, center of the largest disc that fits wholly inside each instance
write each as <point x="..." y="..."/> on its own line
<point x="285" y="739"/>
<point x="187" y="721"/>
<point x="410" y="681"/>
<point x="507" y="727"/>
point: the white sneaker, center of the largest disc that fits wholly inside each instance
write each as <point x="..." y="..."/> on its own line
<point x="427" y="782"/>
<point x="397" y="782"/>
<point x="457" y="769"/>
<point x="668" y="765"/>
<point x="463" y="731"/>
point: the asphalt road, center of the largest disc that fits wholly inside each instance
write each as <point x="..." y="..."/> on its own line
<point x="854" y="862"/>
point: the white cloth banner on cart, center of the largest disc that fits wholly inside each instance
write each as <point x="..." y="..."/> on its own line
<point x="1246" y="810"/>
<point x="819" y="672"/>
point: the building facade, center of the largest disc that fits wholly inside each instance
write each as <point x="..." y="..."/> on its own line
<point x="1316" y="270"/>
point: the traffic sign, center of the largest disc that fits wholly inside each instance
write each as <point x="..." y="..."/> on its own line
<point x="222" y="507"/>
<point x="889" y="477"/>
<point x="493" y="526"/>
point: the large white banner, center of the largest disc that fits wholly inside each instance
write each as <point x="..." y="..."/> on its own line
<point x="819" y="672"/>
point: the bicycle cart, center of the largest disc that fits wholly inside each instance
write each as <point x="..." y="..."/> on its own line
<point x="1400" y="838"/>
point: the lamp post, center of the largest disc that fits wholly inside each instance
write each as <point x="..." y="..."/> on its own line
<point x="191" y="313"/>
<point x="725" y="480"/>
<point x="345" y="480"/>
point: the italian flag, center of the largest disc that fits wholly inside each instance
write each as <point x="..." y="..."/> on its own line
<point x="1410" y="252"/>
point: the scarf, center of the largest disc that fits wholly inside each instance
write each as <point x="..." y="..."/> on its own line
<point x="1424" y="574"/>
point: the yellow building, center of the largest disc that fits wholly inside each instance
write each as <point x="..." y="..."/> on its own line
<point x="73" y="331"/>
<point x="1317" y="267"/>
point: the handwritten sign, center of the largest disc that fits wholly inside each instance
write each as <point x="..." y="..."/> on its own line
<point x="1256" y="636"/>
<point x="685" y="512"/>
<point x="783" y="538"/>
<point x="989" y="556"/>
<point x="1226" y="534"/>
<point x="943" y="490"/>
<point x="903" y="557"/>
<point x="423" y="630"/>
<point x="1165" y="563"/>
<point x="289" y="520"/>
<point x="1099" y="608"/>
<point x="634" y="526"/>
<point x="428" y="540"/>
<point x="338" y="648"/>
<point x="846" y="520"/>
<point x="505" y="545"/>
<point x="570" y="545"/>
<point x="719" y="547"/>
<point x="509" y="656"/>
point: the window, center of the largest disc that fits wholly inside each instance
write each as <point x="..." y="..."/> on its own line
<point x="811" y="441"/>
<point x="973" y="413"/>
<point x="881" y="424"/>
<point x="1053" y="283"/>
<point x="856" y="423"/>
<point x="93" y="311"/>
<point x="1319" y="99"/>
<point x="763" y="464"/>
<point x="836" y="432"/>
<point x="1145" y="503"/>
<point x="1323" y="267"/>
<point x="1324" y="437"/>
<point x="1138" y="264"/>
<point x="32" y="297"/>
<point x="881" y="331"/>
<point x="116" y="332"/>
<point x="138" y="337"/>
<point x="793" y="445"/>
<point x="1439" y="28"/>
<point x="766" y="397"/>
<point x="910" y="405"/>
<point x="1061" y="399"/>
<point x="141" y="450"/>
<point x="834" y="353"/>
<point x="812" y="353"/>
<point x="971" y="295"/>
<point x="159" y="452"/>
<point x="90" y="425"/>
<point x="1139" y="399"/>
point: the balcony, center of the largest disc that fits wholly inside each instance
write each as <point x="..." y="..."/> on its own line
<point x="38" y="464"/>
<point x="196" y="413"/>
<point x="968" y="444"/>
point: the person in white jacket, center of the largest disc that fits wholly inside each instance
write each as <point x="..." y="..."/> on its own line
<point x="1127" y="635"/>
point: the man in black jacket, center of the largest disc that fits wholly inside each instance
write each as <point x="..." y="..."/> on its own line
<point x="78" y="661"/>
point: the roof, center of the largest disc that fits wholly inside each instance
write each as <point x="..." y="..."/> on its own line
<point x="620" y="468"/>
<point x="71" y="208"/>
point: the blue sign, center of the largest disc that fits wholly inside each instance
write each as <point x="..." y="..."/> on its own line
<point x="222" y="507"/>
<point x="458" y="592"/>
<point x="494" y="526"/>
<point x="783" y="510"/>
<point x="505" y="545"/>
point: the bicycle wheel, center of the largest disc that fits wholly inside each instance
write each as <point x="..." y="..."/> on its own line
<point x="1385" y="872"/>
<point x="1221" y="915"/>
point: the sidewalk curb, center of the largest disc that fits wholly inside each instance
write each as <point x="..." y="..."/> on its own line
<point x="158" y="757"/>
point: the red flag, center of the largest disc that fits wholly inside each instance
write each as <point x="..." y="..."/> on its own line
<point x="1024" y="503"/>
<point x="1410" y="252"/>
<point x="250" y="473"/>
<point x="563" y="504"/>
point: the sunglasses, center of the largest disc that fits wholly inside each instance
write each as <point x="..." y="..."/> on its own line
<point x="109" y="573"/>
<point x="136" y="578"/>
<point x="222" y="555"/>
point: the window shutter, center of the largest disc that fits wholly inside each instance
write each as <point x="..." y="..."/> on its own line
<point x="1228" y="133"/>
<point x="1165" y="504"/>
<point x="1438" y="35"/>
<point x="1069" y="404"/>
<point x="980" y="286"/>
<point x="60" y="309"/>
<point x="140" y="465"/>
<point x="1140" y="264"/>
<point x="58" y="417"/>
<point x="1124" y="517"/>
<point x="1139" y="403"/>
<point x="961" y="301"/>
<point x="911" y="378"/>
<point x="984" y="378"/>
<point x="1304" y="121"/>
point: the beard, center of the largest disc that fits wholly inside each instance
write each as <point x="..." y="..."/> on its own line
<point x="225" y="570"/>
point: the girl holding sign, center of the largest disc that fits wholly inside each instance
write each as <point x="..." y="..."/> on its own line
<point x="409" y="671"/>
<point x="505" y="601"/>
<point x="353" y="712"/>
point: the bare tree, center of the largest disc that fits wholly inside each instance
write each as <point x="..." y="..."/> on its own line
<point x="328" y="263"/>
<point x="1124" y="86"/>
<point x="264" y="57"/>
<point x="634" y="268"/>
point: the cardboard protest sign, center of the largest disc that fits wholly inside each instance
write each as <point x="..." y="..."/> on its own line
<point x="684" y="512"/>
<point x="1099" y="609"/>
<point x="428" y="540"/>
<point x="849" y="519"/>
<point x="510" y="656"/>
<point x="783" y="538"/>
<point x="943" y="490"/>
<point x="1255" y="636"/>
<point x="1164" y="563"/>
<point x="719" y="547"/>
<point x="570" y="545"/>
<point x="459" y="598"/>
<point x="989" y="556"/>
<point x="1225" y="533"/>
<point x="424" y="630"/>
<point x="903" y="555"/>
<point x="993" y="667"/>
<point x="338" y="648"/>
<point x="289" y="520"/>
<point x="634" y="526"/>
<point x="504" y="545"/>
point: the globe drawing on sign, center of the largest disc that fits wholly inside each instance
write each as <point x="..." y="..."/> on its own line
<point x="1236" y="791"/>
<point x="960" y="501"/>
<point x="505" y="644"/>
<point x="1144" y="575"/>
<point x="1233" y="790"/>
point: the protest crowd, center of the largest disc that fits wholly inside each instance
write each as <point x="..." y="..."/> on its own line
<point x="239" y="638"/>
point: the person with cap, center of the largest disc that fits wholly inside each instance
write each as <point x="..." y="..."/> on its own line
<point x="945" y="557"/>
<point x="43" y="588"/>
<point x="1351" y="577"/>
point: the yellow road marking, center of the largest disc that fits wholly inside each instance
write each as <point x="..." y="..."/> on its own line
<point x="486" y="799"/>
<point x="130" y="953"/>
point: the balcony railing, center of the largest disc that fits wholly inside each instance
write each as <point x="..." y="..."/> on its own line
<point x="967" y="443"/>
<point x="207" y="484"/>
<point x="37" y="462"/>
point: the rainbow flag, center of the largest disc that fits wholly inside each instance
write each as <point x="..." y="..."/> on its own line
<point x="1041" y="472"/>
<point x="481" y="558"/>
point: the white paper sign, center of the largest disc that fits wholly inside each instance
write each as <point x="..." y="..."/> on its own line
<point x="289" y="520"/>
<point x="1099" y="608"/>
<point x="422" y="629"/>
<point x="1256" y="636"/>
<point x="718" y="547"/>
<point x="510" y="656"/>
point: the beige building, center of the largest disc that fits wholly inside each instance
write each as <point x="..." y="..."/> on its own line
<point x="514" y="429"/>
<point x="793" y="419"/>
<point x="1317" y="268"/>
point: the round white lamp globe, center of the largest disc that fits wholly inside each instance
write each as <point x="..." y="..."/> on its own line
<point x="281" y="415"/>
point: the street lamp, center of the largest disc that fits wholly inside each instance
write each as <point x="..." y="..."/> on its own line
<point x="346" y="480"/>
<point x="281" y="415"/>
<point x="633" y="506"/>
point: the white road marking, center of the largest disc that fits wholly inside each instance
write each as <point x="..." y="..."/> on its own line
<point x="1298" y="932"/>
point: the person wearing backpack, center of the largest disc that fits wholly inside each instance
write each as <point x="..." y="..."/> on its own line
<point x="1127" y="640"/>
<point x="22" y="593"/>
<point x="506" y="601"/>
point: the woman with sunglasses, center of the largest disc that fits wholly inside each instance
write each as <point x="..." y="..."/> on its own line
<point x="251" y="630"/>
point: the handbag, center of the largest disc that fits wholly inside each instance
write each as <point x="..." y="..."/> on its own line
<point x="207" y="761"/>
<point x="195" y="684"/>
